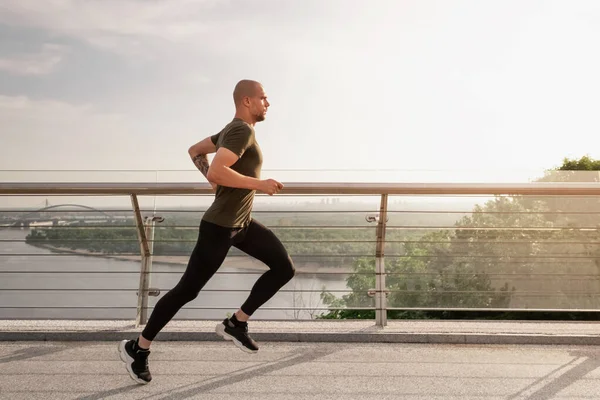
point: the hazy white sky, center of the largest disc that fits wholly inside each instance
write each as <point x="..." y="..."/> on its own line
<point x="407" y="85"/>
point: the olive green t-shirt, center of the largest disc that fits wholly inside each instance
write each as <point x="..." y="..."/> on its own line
<point x="232" y="206"/>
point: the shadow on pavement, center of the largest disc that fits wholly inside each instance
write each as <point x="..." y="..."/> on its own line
<point x="31" y="352"/>
<point x="583" y="363"/>
<point x="298" y="357"/>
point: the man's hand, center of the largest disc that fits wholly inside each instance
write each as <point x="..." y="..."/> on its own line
<point x="270" y="186"/>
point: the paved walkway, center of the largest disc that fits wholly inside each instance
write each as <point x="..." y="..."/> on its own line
<point x="298" y="371"/>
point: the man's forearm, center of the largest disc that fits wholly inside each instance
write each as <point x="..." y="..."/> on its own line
<point x="201" y="162"/>
<point x="226" y="176"/>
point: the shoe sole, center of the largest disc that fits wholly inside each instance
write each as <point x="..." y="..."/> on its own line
<point x="126" y="358"/>
<point x="220" y="329"/>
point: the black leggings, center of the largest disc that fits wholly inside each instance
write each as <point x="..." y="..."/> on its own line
<point x="213" y="243"/>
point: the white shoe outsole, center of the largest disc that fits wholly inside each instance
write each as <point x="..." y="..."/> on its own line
<point x="220" y="329"/>
<point x="126" y="358"/>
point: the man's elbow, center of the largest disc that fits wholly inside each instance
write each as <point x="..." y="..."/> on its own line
<point x="213" y="176"/>
<point x="192" y="151"/>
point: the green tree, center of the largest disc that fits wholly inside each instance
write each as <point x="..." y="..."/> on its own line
<point x="517" y="251"/>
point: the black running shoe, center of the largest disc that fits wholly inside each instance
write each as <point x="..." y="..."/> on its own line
<point x="238" y="334"/>
<point x="136" y="360"/>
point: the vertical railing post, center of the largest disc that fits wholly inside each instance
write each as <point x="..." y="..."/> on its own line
<point x="147" y="276"/>
<point x="144" y="284"/>
<point x="380" y="288"/>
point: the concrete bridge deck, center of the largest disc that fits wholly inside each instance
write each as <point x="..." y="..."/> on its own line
<point x="307" y="359"/>
<point x="298" y="371"/>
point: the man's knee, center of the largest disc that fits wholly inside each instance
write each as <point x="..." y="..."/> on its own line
<point x="288" y="271"/>
<point x="186" y="293"/>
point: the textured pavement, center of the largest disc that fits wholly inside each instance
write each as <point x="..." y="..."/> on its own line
<point x="218" y="370"/>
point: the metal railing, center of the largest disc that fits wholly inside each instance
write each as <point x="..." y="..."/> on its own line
<point x="145" y="227"/>
<point x="307" y="188"/>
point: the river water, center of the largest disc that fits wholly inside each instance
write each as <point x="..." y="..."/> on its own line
<point x="36" y="283"/>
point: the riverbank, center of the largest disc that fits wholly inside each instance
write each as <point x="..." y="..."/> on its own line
<point x="238" y="262"/>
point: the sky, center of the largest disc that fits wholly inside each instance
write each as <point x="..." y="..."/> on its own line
<point x="420" y="89"/>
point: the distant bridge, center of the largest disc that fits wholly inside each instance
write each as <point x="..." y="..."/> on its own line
<point x="65" y="205"/>
<point x="37" y="217"/>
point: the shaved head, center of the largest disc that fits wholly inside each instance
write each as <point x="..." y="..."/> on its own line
<point x="250" y="100"/>
<point x="245" y="88"/>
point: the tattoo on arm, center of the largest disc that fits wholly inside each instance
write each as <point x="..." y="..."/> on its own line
<point x="201" y="162"/>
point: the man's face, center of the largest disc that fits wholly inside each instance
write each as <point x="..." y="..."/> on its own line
<point x="259" y="104"/>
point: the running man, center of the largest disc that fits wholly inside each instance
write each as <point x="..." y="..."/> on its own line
<point x="235" y="174"/>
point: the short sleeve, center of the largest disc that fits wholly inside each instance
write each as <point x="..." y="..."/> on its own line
<point x="238" y="139"/>
<point x="215" y="138"/>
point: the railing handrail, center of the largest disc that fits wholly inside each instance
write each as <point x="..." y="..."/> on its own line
<point x="304" y="188"/>
<point x="145" y="225"/>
